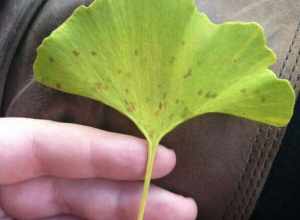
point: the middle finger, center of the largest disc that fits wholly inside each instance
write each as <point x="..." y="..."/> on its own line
<point x="92" y="199"/>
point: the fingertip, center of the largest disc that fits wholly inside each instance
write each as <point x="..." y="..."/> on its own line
<point x="165" y="162"/>
<point x="170" y="205"/>
<point x="182" y="208"/>
<point x="191" y="210"/>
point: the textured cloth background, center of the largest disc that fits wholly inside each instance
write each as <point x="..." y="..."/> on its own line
<point x="280" y="198"/>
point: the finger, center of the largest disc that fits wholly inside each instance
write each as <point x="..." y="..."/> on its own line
<point x="92" y="199"/>
<point x="3" y="215"/>
<point x="32" y="148"/>
<point x="62" y="217"/>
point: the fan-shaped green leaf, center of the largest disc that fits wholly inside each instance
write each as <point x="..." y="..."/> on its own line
<point x="163" y="62"/>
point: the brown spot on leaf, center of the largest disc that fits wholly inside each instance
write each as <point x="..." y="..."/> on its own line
<point x="165" y="95"/>
<point x="214" y="95"/>
<point x="211" y="95"/>
<point x="185" y="112"/>
<point x="58" y="85"/>
<point x="76" y="53"/>
<point x="172" y="60"/>
<point x="243" y="91"/>
<point x="156" y="113"/>
<point x="151" y="134"/>
<point x="51" y="59"/>
<point x="188" y="74"/>
<point x="160" y="106"/>
<point x="99" y="86"/>
<point x="130" y="106"/>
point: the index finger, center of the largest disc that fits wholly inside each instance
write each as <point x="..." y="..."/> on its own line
<point x="32" y="148"/>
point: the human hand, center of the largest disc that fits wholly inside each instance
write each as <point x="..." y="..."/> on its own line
<point x="51" y="170"/>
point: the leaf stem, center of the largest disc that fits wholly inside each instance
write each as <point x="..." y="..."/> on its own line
<point x="152" y="147"/>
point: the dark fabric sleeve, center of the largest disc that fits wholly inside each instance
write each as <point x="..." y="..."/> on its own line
<point x="15" y="16"/>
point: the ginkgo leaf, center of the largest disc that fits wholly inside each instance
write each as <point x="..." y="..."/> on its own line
<point x="162" y="62"/>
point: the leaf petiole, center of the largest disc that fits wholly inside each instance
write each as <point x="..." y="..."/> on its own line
<point x="152" y="148"/>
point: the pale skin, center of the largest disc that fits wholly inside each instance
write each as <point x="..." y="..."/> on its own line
<point x="51" y="170"/>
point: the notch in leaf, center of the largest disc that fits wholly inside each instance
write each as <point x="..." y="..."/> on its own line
<point x="161" y="63"/>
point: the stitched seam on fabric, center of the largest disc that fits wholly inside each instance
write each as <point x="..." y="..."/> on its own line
<point x="263" y="172"/>
<point x="255" y="152"/>
<point x="244" y="208"/>
<point x="296" y="63"/>
<point x="230" y="204"/>
<point x="287" y="57"/>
